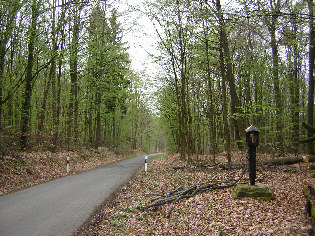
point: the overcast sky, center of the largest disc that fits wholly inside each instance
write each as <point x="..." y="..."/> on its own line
<point x="139" y="35"/>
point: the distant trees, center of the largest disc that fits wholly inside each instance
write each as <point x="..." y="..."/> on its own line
<point x="26" y="105"/>
<point x="8" y="15"/>
<point x="241" y="66"/>
<point x="65" y="78"/>
<point x="107" y="67"/>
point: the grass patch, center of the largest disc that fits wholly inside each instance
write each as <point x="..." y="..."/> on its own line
<point x="161" y="156"/>
<point x="140" y="207"/>
<point x="139" y="198"/>
<point x="121" y="214"/>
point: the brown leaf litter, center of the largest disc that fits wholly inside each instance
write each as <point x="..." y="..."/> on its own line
<point x="208" y="213"/>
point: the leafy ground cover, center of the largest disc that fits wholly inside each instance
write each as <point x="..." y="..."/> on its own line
<point x="21" y="170"/>
<point x="208" y="213"/>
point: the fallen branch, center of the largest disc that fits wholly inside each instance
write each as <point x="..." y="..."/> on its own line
<point x="283" y="161"/>
<point x="179" y="193"/>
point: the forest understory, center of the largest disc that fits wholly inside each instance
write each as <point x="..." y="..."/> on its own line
<point x="210" y="212"/>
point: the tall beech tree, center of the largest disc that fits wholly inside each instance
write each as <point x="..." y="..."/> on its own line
<point x="26" y="107"/>
<point x="73" y="63"/>
<point x="311" y="59"/>
<point x="58" y="41"/>
<point x="235" y="102"/>
<point x="271" y="19"/>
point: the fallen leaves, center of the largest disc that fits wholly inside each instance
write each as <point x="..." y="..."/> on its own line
<point x="208" y="213"/>
<point x="22" y="170"/>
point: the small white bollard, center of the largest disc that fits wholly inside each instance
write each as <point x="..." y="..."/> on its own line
<point x="146" y="163"/>
<point x="68" y="168"/>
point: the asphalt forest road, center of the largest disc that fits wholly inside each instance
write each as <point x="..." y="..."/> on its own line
<point x="61" y="206"/>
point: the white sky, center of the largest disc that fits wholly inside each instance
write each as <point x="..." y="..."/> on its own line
<point x="140" y="37"/>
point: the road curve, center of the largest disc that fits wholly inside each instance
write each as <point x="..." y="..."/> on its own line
<point x="59" y="207"/>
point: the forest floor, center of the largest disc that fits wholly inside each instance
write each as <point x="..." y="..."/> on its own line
<point x="24" y="169"/>
<point x="208" y="213"/>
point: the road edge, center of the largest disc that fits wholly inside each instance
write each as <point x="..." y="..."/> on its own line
<point x="95" y="215"/>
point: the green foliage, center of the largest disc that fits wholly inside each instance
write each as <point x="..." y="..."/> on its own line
<point x="95" y="109"/>
<point x="107" y="105"/>
<point x="117" y="223"/>
<point x="140" y="208"/>
<point x="197" y="119"/>
<point x="120" y="214"/>
<point x="139" y="198"/>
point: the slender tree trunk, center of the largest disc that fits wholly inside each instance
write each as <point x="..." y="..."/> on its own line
<point x="178" y="138"/>
<point x="73" y="105"/>
<point x="310" y="103"/>
<point x="235" y="102"/>
<point x="58" y="99"/>
<point x="41" y="120"/>
<point x="293" y="56"/>
<point x="58" y="105"/>
<point x="276" y="80"/>
<point x="211" y="112"/>
<point x="294" y="98"/>
<point x="91" y="126"/>
<point x="134" y="142"/>
<point x="224" y="108"/>
<point x="2" y="63"/>
<point x="98" y="119"/>
<point x="178" y="101"/>
<point x="184" y="106"/>
<point x="114" y="131"/>
<point x="26" y="107"/>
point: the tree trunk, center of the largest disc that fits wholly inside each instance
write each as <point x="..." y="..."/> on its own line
<point x="235" y="102"/>
<point x="283" y="161"/>
<point x="90" y="111"/>
<point x="310" y="104"/>
<point x="57" y="93"/>
<point x="26" y="107"/>
<point x="224" y="108"/>
<point x="73" y="105"/>
<point x="58" y="105"/>
<point x="294" y="87"/>
<point x="211" y="108"/>
<point x="2" y="63"/>
<point x="114" y="131"/>
<point x="98" y="120"/>
<point x="184" y="106"/>
<point x="41" y="120"/>
<point x="276" y="80"/>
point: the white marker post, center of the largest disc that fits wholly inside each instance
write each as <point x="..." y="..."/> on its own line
<point x="145" y="163"/>
<point x="68" y="168"/>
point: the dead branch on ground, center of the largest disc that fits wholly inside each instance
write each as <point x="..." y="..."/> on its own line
<point x="176" y="194"/>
